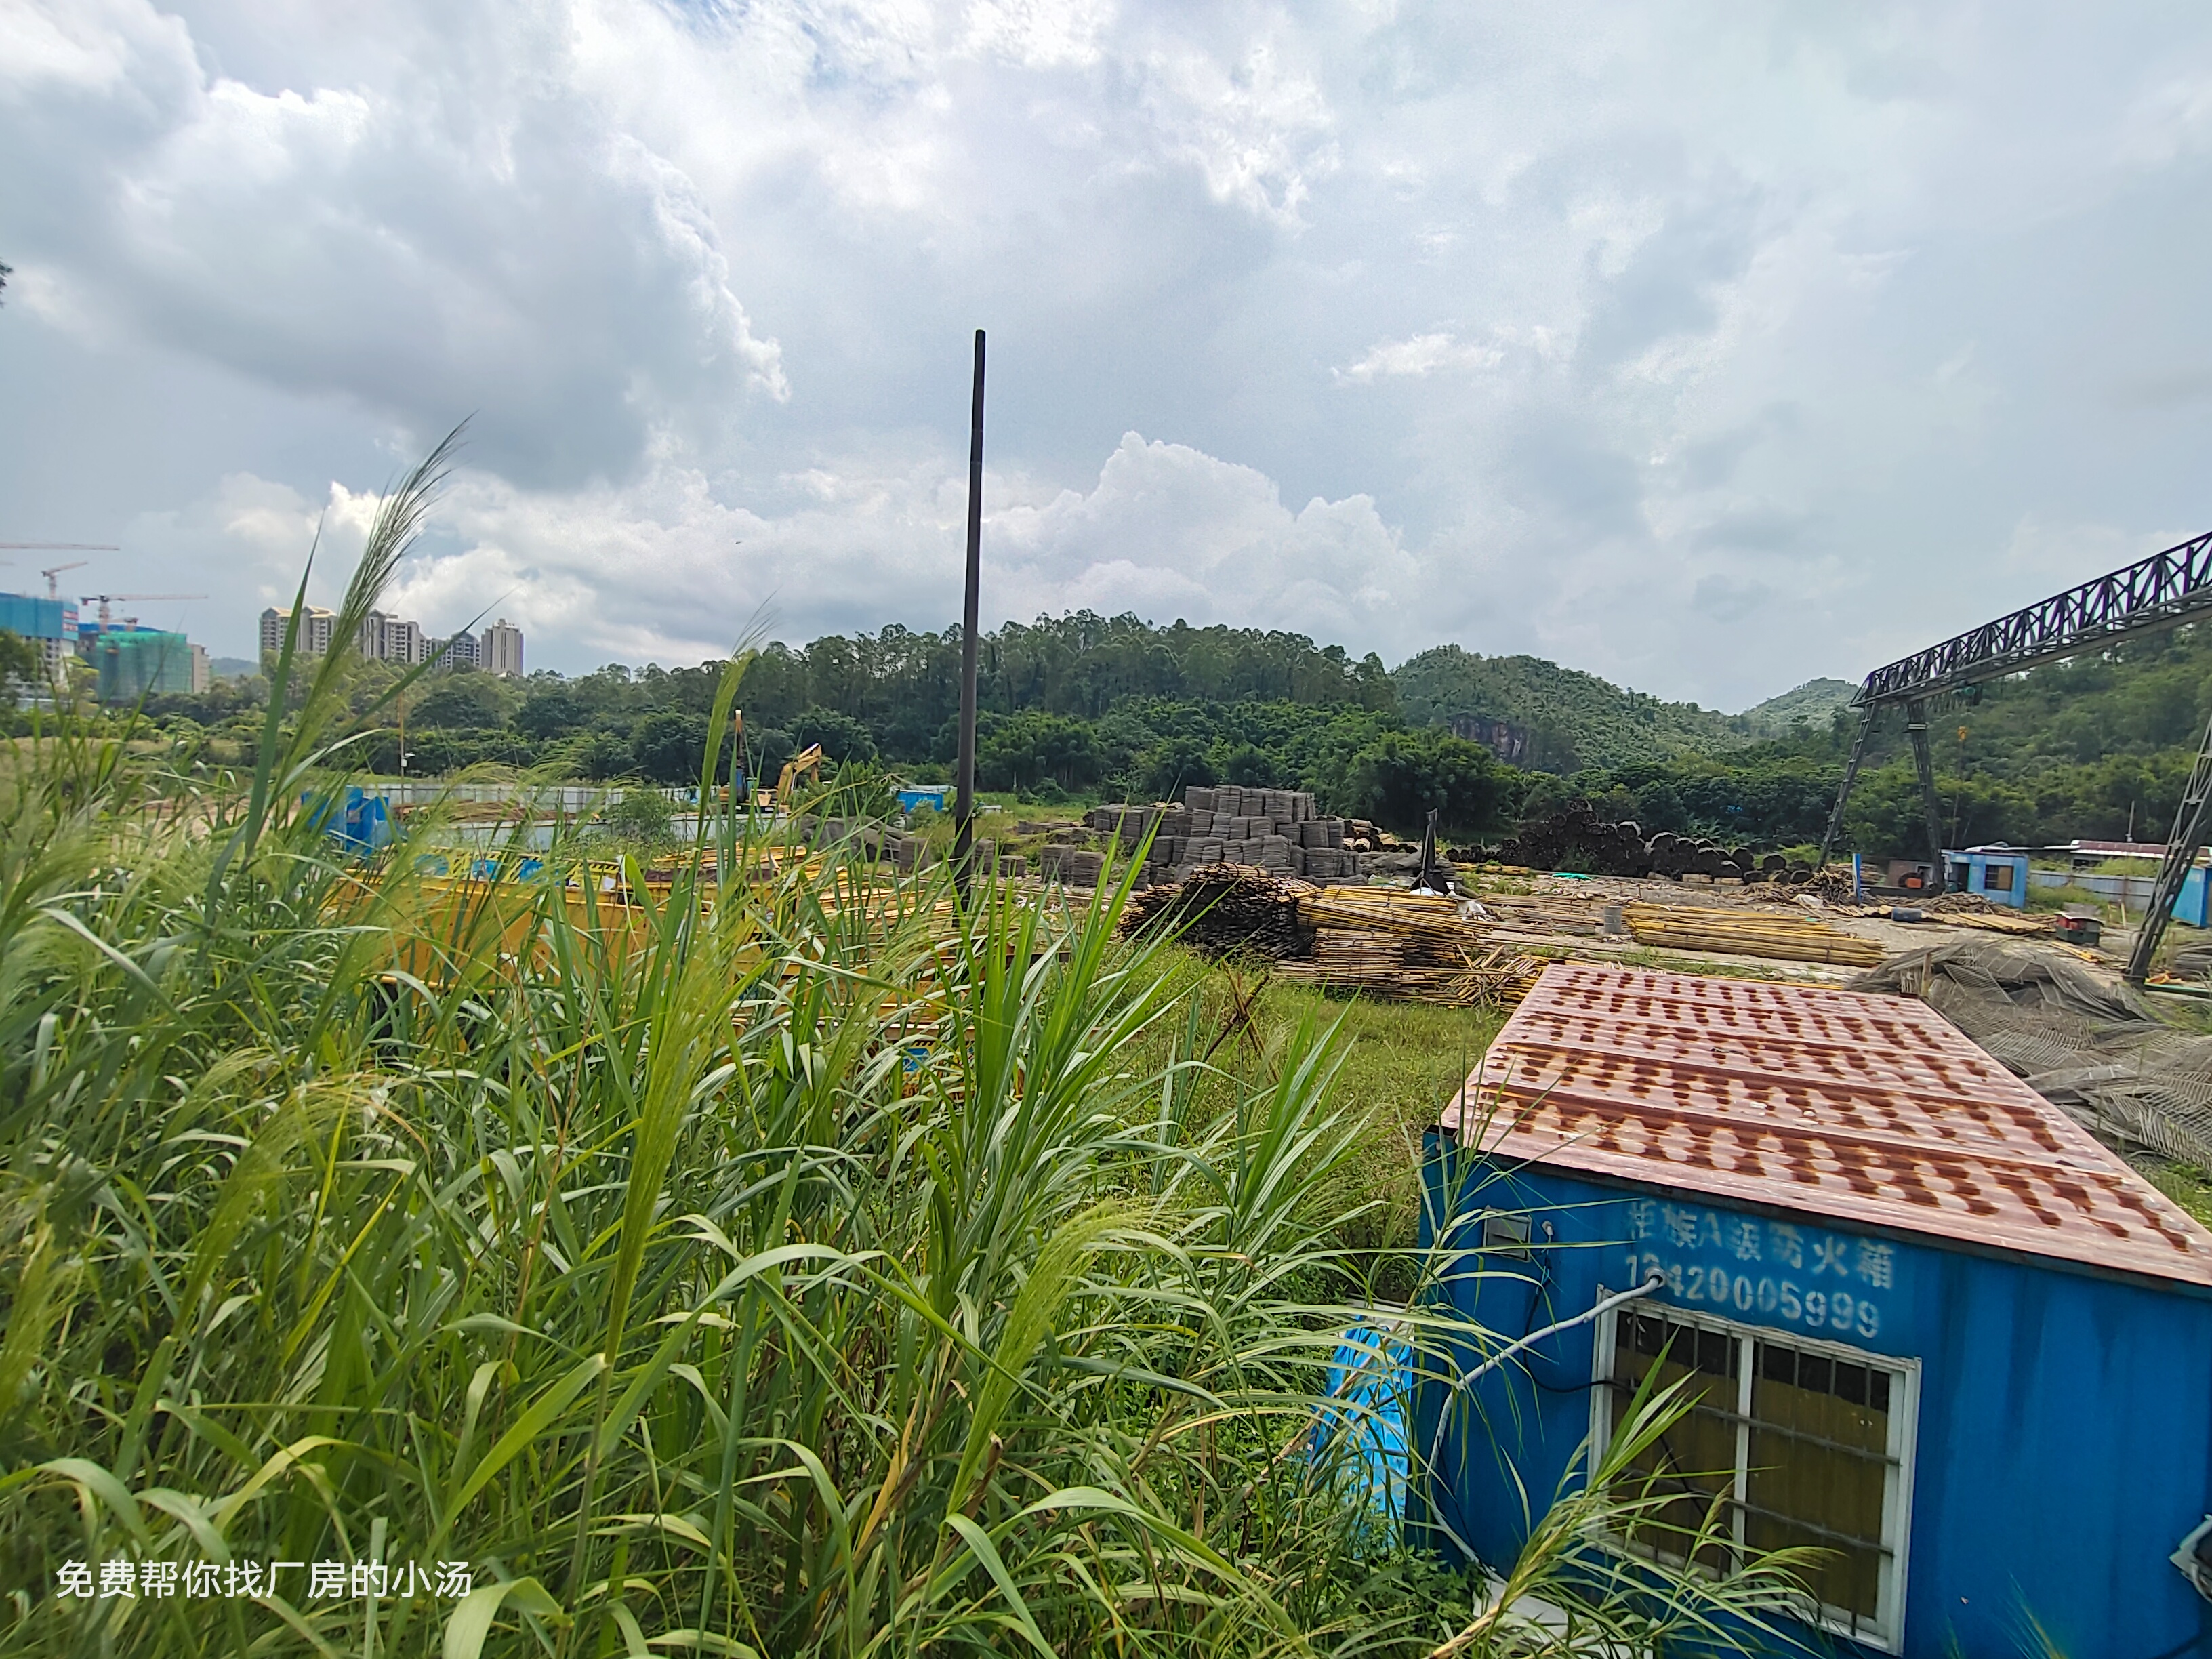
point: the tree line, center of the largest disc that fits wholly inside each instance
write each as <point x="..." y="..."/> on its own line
<point x="1076" y="708"/>
<point x="1083" y="707"/>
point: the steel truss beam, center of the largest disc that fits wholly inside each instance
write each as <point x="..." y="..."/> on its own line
<point x="2153" y="592"/>
<point x="2190" y="824"/>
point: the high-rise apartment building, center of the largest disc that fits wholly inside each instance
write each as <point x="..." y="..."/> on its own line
<point x="390" y="639"/>
<point x="315" y="626"/>
<point x="500" y="649"/>
<point x="458" y="652"/>
<point x="383" y="638"/>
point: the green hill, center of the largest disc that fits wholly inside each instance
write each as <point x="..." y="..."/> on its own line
<point x="1813" y="704"/>
<point x="1565" y="720"/>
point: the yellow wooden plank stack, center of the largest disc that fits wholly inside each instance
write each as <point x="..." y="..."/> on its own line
<point x="1382" y="910"/>
<point x="1749" y="933"/>
<point x="1413" y="947"/>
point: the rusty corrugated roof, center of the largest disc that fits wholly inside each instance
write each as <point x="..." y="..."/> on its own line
<point x="1870" y="1109"/>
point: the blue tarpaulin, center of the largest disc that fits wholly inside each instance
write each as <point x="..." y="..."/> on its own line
<point x="1371" y="1375"/>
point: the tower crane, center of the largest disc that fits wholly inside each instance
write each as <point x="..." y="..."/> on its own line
<point x="103" y="598"/>
<point x="53" y="588"/>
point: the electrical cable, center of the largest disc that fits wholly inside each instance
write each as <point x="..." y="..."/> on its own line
<point x="1538" y="1288"/>
<point x="1654" y="1281"/>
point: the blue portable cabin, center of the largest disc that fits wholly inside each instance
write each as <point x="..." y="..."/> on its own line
<point x="912" y="797"/>
<point x="1998" y="874"/>
<point x="1930" y="1322"/>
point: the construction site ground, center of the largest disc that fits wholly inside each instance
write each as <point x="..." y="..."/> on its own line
<point x="2154" y="1106"/>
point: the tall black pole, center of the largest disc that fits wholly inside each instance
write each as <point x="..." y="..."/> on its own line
<point x="1923" y="761"/>
<point x="963" y="802"/>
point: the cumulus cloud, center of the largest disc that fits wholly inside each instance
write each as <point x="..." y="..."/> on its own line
<point x="657" y="568"/>
<point x="423" y="250"/>
<point x="1038" y="33"/>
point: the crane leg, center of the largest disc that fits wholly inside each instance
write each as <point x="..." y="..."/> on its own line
<point x="2191" y="824"/>
<point x="1916" y="725"/>
<point x="1843" y="792"/>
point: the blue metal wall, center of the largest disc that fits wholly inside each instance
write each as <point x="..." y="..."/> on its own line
<point x="1969" y="872"/>
<point x="32" y="617"/>
<point x="2064" y="1443"/>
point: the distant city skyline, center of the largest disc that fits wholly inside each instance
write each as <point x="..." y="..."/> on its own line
<point x="383" y="637"/>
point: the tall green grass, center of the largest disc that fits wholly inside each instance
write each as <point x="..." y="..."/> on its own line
<point x="788" y="1264"/>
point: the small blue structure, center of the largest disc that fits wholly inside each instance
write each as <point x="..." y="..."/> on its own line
<point x="1923" y="1320"/>
<point x="911" y="796"/>
<point x="1997" y="873"/>
<point x="359" y="821"/>
<point x="1369" y="1375"/>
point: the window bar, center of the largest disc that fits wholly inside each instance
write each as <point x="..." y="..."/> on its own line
<point x="1742" y="1503"/>
<point x="1745" y="1366"/>
<point x="1804" y="1437"/>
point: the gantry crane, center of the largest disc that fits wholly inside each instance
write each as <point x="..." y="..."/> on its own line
<point x="2160" y="592"/>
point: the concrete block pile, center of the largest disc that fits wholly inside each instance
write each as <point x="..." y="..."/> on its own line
<point x="1280" y="831"/>
<point x="1076" y="867"/>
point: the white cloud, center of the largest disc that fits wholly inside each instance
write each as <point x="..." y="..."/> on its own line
<point x="1254" y="127"/>
<point x="421" y="249"/>
<point x="657" y="568"/>
<point x="1168" y="525"/>
<point x="1422" y="354"/>
<point x="1039" y="34"/>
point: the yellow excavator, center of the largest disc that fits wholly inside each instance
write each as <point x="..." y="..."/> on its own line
<point x="807" y="763"/>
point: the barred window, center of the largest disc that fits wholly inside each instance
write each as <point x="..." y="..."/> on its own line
<point x="1802" y="1443"/>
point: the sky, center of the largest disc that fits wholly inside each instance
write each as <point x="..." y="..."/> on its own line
<point x="1706" y="348"/>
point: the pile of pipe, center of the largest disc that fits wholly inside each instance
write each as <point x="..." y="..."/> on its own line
<point x="1575" y="838"/>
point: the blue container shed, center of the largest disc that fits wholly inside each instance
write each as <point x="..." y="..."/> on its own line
<point x="1998" y="874"/>
<point x="361" y="821"/>
<point x="1928" y="1323"/>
